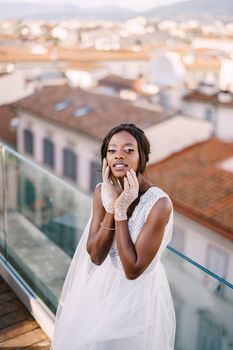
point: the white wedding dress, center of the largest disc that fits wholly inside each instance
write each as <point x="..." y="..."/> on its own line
<point x="100" y="309"/>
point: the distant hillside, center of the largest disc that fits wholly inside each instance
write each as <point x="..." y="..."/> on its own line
<point x="25" y="10"/>
<point x="203" y="10"/>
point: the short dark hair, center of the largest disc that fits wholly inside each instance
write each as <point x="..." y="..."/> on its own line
<point x="139" y="135"/>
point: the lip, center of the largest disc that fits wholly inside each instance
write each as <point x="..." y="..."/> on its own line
<point x="120" y="167"/>
<point x="120" y="164"/>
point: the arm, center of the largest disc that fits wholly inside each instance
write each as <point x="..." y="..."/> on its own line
<point x="136" y="257"/>
<point x="100" y="239"/>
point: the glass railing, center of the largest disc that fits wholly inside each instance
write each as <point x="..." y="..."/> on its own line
<point x="203" y="305"/>
<point x="41" y="221"/>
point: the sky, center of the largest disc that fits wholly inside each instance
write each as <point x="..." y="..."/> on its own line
<point x="136" y="5"/>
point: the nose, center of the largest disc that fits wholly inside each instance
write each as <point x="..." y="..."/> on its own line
<point x="119" y="154"/>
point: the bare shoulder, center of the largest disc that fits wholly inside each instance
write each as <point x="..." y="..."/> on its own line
<point x="165" y="204"/>
<point x="97" y="200"/>
<point x="98" y="209"/>
<point x="97" y="191"/>
<point x="161" y="210"/>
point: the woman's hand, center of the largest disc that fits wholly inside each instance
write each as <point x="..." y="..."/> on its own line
<point x="110" y="192"/>
<point x="130" y="193"/>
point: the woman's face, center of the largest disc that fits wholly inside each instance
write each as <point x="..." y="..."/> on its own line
<point x="122" y="154"/>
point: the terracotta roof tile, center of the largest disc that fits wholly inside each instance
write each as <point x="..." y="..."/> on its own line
<point x="106" y="111"/>
<point x="198" y="186"/>
<point x="75" y="54"/>
<point x="204" y="64"/>
<point x="115" y="80"/>
<point x="213" y="99"/>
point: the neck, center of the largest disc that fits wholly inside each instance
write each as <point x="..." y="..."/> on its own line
<point x="121" y="182"/>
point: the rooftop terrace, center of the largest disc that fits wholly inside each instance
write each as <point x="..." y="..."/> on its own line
<point x="41" y="221"/>
<point x="18" y="329"/>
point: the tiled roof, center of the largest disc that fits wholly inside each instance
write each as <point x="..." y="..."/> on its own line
<point x="199" y="96"/>
<point x="75" y="54"/>
<point x="106" y="111"/>
<point x="6" y="133"/>
<point x="197" y="184"/>
<point x="204" y="64"/>
<point x="85" y="66"/>
<point x="115" y="80"/>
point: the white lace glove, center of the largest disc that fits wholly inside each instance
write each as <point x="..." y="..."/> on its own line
<point x="109" y="195"/>
<point x="130" y="193"/>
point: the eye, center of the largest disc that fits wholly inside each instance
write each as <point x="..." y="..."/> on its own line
<point x="111" y="151"/>
<point x="129" y="150"/>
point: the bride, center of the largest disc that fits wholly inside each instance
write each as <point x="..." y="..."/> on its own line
<point x="116" y="295"/>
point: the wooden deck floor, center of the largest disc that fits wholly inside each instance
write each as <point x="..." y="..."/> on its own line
<point x="18" y="329"/>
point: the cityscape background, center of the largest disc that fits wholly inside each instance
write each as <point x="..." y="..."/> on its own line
<point x="72" y="70"/>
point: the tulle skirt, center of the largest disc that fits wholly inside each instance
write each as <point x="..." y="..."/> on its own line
<point x="102" y="310"/>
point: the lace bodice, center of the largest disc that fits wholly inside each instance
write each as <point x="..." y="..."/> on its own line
<point x="136" y="222"/>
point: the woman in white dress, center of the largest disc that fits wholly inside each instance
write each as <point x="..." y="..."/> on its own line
<point x="116" y="295"/>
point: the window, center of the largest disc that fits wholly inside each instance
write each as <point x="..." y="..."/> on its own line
<point x="60" y="106"/>
<point x="48" y="153"/>
<point x="28" y="142"/>
<point x="96" y="176"/>
<point x="80" y="112"/>
<point x="217" y="261"/>
<point x="108" y="90"/>
<point x="62" y="231"/>
<point x="209" y="113"/>
<point x="29" y="194"/>
<point x="70" y="164"/>
<point x="165" y="100"/>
